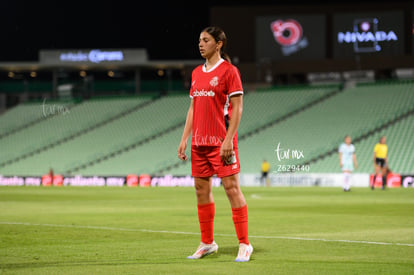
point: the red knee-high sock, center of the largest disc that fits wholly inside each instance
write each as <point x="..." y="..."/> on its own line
<point x="240" y="220"/>
<point x="206" y="220"/>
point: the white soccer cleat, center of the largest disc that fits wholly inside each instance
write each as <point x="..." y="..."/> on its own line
<point x="245" y="251"/>
<point x="204" y="250"/>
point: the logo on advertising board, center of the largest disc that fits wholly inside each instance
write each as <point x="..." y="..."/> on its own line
<point x="366" y="36"/>
<point x="393" y="180"/>
<point x="407" y="181"/>
<point x="144" y="180"/>
<point x="95" y="56"/>
<point x="132" y="180"/>
<point x="289" y="35"/>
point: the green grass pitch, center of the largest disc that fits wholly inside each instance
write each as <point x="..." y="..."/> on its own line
<point x="112" y="230"/>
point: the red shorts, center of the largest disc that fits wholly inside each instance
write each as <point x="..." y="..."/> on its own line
<point x="206" y="161"/>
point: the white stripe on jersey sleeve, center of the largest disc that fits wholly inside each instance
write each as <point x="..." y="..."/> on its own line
<point x="236" y="93"/>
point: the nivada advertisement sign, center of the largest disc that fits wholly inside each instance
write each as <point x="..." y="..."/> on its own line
<point x="371" y="34"/>
<point x="294" y="37"/>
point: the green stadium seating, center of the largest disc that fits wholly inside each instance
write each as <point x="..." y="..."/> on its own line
<point x="120" y="136"/>
<point x="146" y="159"/>
<point x="142" y="123"/>
<point x="260" y="108"/>
<point x="20" y="116"/>
<point x="322" y="127"/>
<point x="70" y="120"/>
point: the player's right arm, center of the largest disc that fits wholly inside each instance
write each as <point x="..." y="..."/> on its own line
<point x="186" y="133"/>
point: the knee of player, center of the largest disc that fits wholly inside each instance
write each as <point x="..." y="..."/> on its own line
<point x="203" y="192"/>
<point x="232" y="190"/>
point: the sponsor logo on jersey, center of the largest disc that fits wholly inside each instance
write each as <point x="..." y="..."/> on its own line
<point x="203" y="93"/>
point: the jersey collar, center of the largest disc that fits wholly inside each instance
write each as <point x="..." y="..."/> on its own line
<point x="212" y="68"/>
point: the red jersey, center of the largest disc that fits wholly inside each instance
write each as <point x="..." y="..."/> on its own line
<point x="211" y="91"/>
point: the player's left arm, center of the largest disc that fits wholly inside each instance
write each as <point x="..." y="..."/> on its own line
<point x="226" y="149"/>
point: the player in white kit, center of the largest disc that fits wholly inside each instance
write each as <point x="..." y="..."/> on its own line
<point x="347" y="161"/>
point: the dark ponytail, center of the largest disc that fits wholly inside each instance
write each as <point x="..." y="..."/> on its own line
<point x="225" y="56"/>
<point x="218" y="34"/>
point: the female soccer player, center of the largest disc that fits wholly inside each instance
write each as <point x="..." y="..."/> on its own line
<point x="213" y="118"/>
<point x="380" y="162"/>
<point x="347" y="161"/>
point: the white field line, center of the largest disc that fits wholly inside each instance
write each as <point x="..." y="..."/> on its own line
<point x="197" y="233"/>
